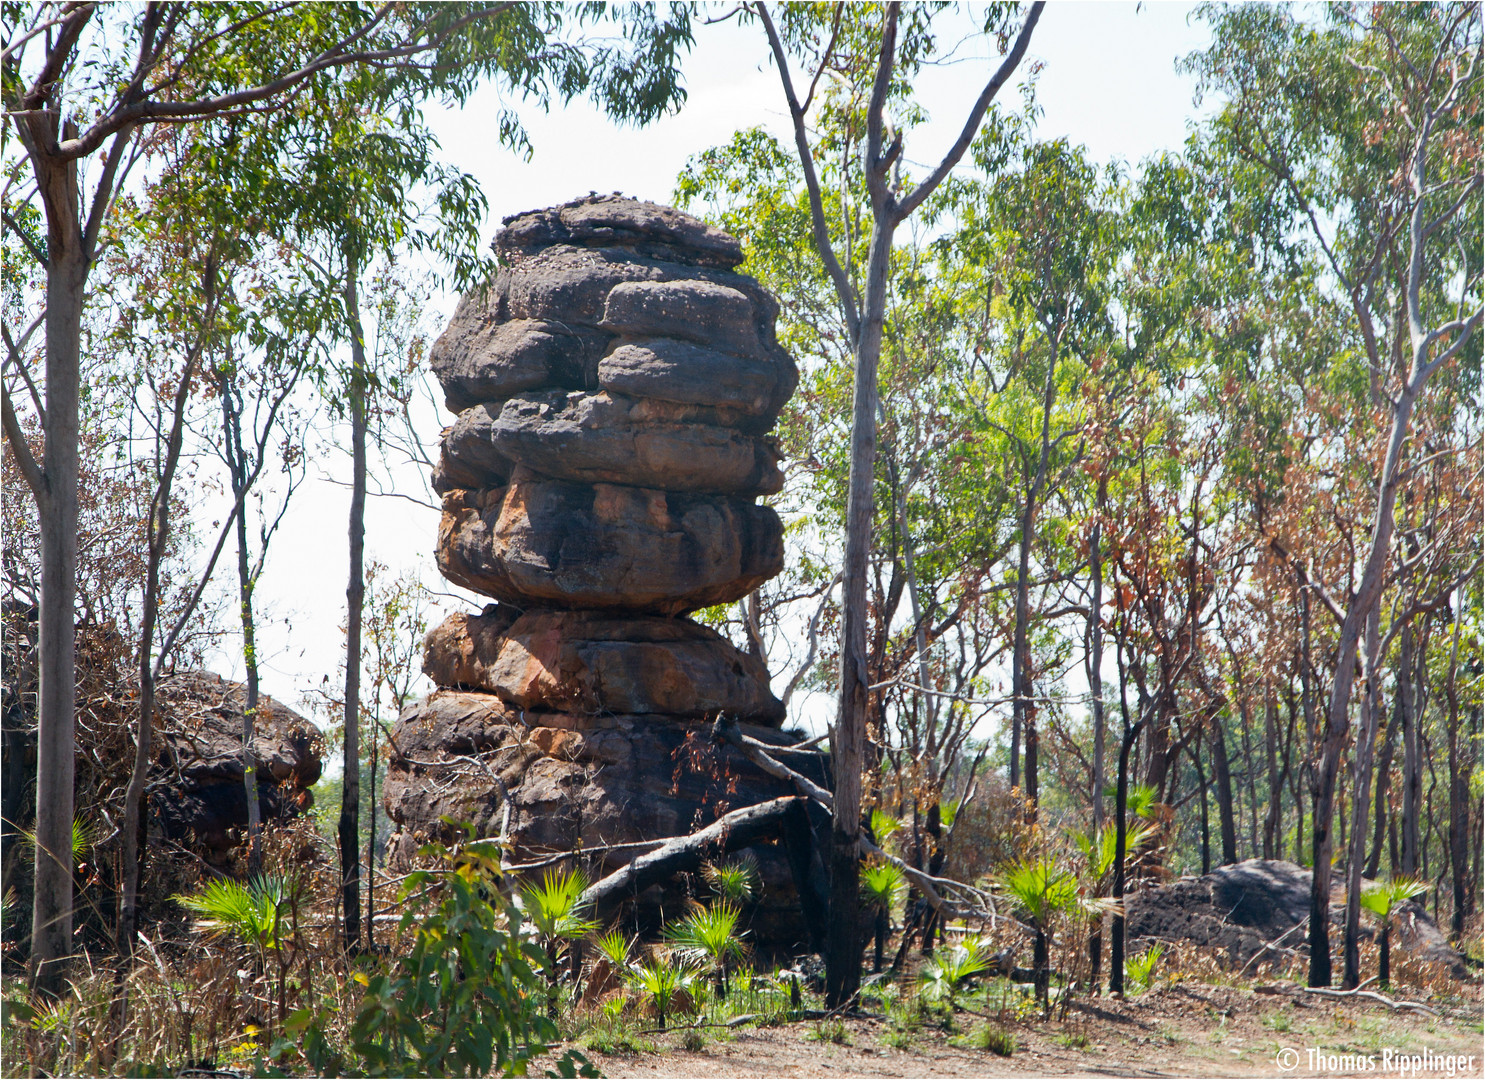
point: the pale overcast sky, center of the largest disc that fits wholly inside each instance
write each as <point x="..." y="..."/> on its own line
<point x="1108" y="81"/>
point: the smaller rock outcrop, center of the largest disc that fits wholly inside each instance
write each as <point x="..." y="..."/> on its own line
<point x="1258" y="911"/>
<point x="196" y="790"/>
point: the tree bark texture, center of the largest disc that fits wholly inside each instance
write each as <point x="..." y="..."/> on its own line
<point x="51" y="911"/>
<point x="1222" y="774"/>
<point x="237" y="471"/>
<point x="1361" y="774"/>
<point x="355" y="594"/>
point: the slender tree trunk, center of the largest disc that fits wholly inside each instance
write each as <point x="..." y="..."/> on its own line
<point x="158" y="530"/>
<point x="1459" y="795"/>
<point x="1412" y="775"/>
<point x="167" y="461"/>
<point x="1121" y="810"/>
<point x="371" y="864"/>
<point x="1095" y="954"/>
<point x="1095" y="663"/>
<point x="53" y="484"/>
<point x="350" y="807"/>
<point x="1337" y="725"/>
<point x="1023" y="706"/>
<point x="51" y="911"/>
<point x="1384" y="778"/>
<point x="1121" y="834"/>
<point x="864" y="325"/>
<point x="1366" y="739"/>
<point x="848" y="741"/>
<point x="1299" y="823"/>
<point x="1039" y="965"/>
<point x="1472" y="742"/>
<point x="1223" y="776"/>
<point x="237" y="471"/>
<point x="1275" y="785"/>
<point x="1368" y="593"/>
<point x="1206" y="826"/>
<point x="1249" y="772"/>
<point x="933" y="828"/>
<point x="1019" y="649"/>
<point x="71" y="243"/>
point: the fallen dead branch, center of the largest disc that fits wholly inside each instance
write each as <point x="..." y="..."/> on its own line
<point x="737" y="829"/>
<point x="1371" y="994"/>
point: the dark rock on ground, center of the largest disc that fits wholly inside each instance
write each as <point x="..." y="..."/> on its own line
<point x="1241" y="908"/>
<point x="587" y="663"/>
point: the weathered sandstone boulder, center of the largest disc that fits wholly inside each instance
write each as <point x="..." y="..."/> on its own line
<point x="587" y="663"/>
<point x="701" y="311"/>
<point x="196" y="787"/>
<point x="572" y="291"/>
<point x="609" y="438"/>
<point x="615" y="385"/>
<point x="541" y="543"/>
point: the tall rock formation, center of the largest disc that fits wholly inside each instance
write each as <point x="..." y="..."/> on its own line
<point x="614" y="389"/>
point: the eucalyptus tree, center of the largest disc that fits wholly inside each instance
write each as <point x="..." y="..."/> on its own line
<point x="938" y="529"/>
<point x="1042" y="231"/>
<point x="169" y="314"/>
<point x="1359" y="124"/>
<point x="256" y="400"/>
<point x="873" y="51"/>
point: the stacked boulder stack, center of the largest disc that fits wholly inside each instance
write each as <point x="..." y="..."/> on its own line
<point x="614" y="386"/>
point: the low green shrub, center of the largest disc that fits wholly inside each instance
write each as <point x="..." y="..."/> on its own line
<point x="467" y="1000"/>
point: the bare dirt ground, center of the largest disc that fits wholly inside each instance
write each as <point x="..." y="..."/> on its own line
<point x="1187" y="1029"/>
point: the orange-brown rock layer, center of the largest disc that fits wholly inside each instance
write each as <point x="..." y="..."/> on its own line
<point x="588" y="663"/>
